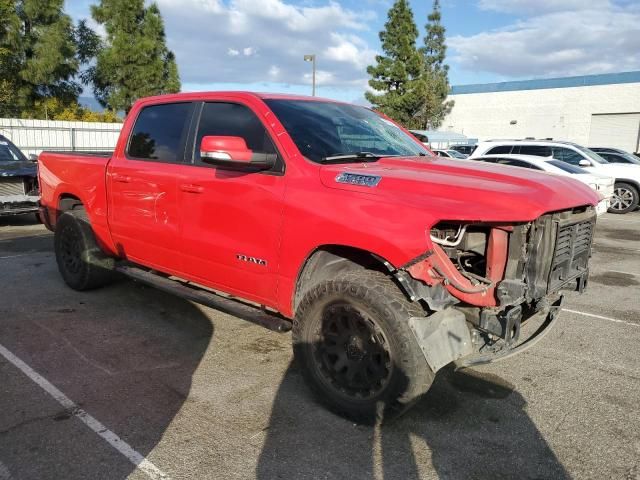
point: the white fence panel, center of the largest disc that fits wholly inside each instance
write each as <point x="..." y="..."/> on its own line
<point x="34" y="136"/>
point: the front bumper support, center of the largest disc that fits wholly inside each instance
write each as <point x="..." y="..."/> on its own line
<point x="551" y="316"/>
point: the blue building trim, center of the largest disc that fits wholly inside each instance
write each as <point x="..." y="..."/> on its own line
<point x="566" y="82"/>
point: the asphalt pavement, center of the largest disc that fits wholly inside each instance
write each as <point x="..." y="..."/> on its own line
<point x="129" y="382"/>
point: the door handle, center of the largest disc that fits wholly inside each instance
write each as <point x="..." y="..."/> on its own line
<point x="121" y="178"/>
<point x="189" y="188"/>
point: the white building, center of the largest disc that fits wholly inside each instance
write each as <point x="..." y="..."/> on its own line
<point x="592" y="110"/>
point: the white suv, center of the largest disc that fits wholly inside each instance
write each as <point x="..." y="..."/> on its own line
<point x="627" y="177"/>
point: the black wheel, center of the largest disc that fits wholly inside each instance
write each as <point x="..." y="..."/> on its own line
<point x="625" y="198"/>
<point x="352" y="340"/>
<point x="81" y="262"/>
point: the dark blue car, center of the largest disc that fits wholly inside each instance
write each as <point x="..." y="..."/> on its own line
<point x="18" y="181"/>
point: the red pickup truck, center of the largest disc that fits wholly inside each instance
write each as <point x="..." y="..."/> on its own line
<point x="329" y="219"/>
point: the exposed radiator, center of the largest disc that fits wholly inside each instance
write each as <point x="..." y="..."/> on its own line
<point x="11" y="186"/>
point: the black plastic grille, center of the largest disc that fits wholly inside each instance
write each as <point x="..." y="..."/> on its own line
<point x="571" y="253"/>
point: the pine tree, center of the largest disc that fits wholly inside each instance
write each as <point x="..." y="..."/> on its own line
<point x="397" y="73"/>
<point x="37" y="54"/>
<point x="135" y="62"/>
<point x="434" y="87"/>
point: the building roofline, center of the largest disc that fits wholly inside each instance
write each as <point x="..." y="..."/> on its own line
<point x="545" y="83"/>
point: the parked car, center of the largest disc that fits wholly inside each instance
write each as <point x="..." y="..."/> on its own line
<point x="420" y="136"/>
<point x="387" y="263"/>
<point x="613" y="155"/>
<point x="450" y="154"/>
<point x="465" y="149"/>
<point x="627" y="187"/>
<point x="602" y="184"/>
<point x="18" y="181"/>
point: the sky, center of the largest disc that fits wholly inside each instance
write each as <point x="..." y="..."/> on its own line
<point x="259" y="45"/>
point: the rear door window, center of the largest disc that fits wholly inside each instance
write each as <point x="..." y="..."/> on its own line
<point x="535" y="150"/>
<point x="499" y="150"/>
<point x="160" y="133"/>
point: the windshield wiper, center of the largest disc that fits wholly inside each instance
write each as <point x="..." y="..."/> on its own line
<point x="355" y="156"/>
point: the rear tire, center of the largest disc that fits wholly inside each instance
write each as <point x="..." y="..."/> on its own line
<point x="81" y="262"/>
<point x="352" y="339"/>
<point x="625" y="198"/>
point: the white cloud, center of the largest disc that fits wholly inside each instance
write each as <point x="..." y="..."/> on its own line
<point x="541" y="6"/>
<point x="274" y="72"/>
<point x="267" y="36"/>
<point x="569" y="41"/>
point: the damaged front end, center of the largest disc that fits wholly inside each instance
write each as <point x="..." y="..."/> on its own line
<point x="18" y="195"/>
<point x="494" y="288"/>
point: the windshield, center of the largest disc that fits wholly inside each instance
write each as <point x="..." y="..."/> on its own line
<point x="591" y="154"/>
<point x="630" y="158"/>
<point x="328" y="129"/>
<point x="10" y="153"/>
<point x="567" y="167"/>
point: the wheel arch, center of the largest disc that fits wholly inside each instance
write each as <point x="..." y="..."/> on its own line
<point x="328" y="260"/>
<point x="634" y="183"/>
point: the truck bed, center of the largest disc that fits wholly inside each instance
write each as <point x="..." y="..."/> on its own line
<point x="64" y="176"/>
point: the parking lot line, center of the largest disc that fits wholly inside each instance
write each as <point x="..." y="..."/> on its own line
<point x="111" y="438"/>
<point x="16" y="256"/>
<point x="615" y="320"/>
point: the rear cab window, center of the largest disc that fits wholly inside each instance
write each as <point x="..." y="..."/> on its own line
<point x="160" y="133"/>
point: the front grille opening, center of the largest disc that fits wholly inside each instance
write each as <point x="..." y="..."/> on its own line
<point x="12" y="186"/>
<point x="571" y="254"/>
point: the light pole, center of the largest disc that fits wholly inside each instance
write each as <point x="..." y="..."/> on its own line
<point x="312" y="59"/>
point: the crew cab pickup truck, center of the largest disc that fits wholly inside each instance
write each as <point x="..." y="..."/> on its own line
<point x="329" y="219"/>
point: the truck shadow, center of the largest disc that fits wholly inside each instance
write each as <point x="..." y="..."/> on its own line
<point x="470" y="425"/>
<point x="126" y="354"/>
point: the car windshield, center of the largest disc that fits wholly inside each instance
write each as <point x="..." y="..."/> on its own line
<point x="567" y="167"/>
<point x="591" y="154"/>
<point x="630" y="158"/>
<point x="327" y="129"/>
<point x="10" y="153"/>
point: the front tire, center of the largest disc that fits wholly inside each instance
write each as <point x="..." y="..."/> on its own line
<point x="81" y="262"/>
<point x="357" y="353"/>
<point x="625" y="198"/>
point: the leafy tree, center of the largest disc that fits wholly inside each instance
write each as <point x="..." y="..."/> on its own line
<point x="135" y="61"/>
<point x="9" y="28"/>
<point x="37" y="54"/>
<point x="435" y="82"/>
<point x="55" y="109"/>
<point x="396" y="78"/>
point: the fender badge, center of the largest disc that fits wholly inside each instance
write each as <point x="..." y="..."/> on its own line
<point x="358" y="179"/>
<point x="257" y="261"/>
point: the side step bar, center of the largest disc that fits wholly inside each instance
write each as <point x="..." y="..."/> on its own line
<point x="236" y="308"/>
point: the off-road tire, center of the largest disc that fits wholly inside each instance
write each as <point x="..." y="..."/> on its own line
<point x="380" y="301"/>
<point x="81" y="262"/>
<point x="634" y="197"/>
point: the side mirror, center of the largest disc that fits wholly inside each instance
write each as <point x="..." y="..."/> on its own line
<point x="33" y="157"/>
<point x="232" y="152"/>
<point x="584" y="163"/>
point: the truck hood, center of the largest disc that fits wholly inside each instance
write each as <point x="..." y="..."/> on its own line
<point x="17" y="169"/>
<point x="464" y="189"/>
